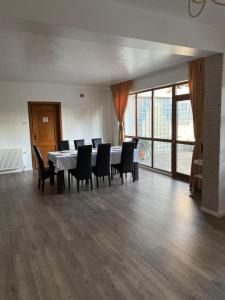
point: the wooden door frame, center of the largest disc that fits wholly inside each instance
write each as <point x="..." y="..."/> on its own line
<point x="59" y="110"/>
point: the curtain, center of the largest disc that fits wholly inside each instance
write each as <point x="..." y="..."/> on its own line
<point x="120" y="94"/>
<point x="196" y="84"/>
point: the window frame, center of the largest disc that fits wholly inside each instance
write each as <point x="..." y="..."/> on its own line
<point x="173" y="141"/>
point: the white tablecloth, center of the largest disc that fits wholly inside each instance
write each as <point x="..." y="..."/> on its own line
<point x="66" y="160"/>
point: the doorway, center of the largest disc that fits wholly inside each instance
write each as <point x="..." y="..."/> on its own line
<point x="45" y="127"/>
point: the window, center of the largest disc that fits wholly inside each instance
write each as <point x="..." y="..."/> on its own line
<point x="144" y="114"/>
<point x="163" y="113"/>
<point x="184" y="158"/>
<point x="162" y="156"/>
<point x="145" y="152"/>
<point x="162" y="120"/>
<point x="182" y="89"/>
<point x="185" y="130"/>
<point x="130" y="117"/>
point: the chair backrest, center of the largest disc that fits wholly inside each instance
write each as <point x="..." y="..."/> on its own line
<point x="127" y="157"/>
<point x="78" y="143"/>
<point x="96" y="142"/>
<point x="40" y="163"/>
<point x="136" y="141"/>
<point x="103" y="159"/>
<point x="64" y="145"/>
<point x="84" y="169"/>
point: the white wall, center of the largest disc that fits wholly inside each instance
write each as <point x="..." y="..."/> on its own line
<point x="163" y="77"/>
<point x="86" y="117"/>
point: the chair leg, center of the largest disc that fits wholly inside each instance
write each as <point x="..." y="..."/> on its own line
<point x="133" y="177"/>
<point x="69" y="180"/>
<point x="91" y="183"/>
<point x="103" y="178"/>
<point x="39" y="183"/>
<point x="78" y="186"/>
<point x="121" y="175"/>
<point x="52" y="170"/>
<point x="43" y="185"/>
<point x="109" y="180"/>
<point x="111" y="173"/>
<point x="97" y="182"/>
<point x="52" y="180"/>
<point x="63" y="180"/>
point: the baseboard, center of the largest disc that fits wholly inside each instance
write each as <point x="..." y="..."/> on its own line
<point x="11" y="171"/>
<point x="217" y="214"/>
<point x="15" y="171"/>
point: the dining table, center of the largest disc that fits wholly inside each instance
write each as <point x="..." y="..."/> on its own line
<point x="66" y="160"/>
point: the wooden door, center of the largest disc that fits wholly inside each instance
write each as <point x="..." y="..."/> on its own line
<point x="45" y="127"/>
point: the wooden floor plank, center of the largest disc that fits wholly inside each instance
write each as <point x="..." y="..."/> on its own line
<point x="142" y="240"/>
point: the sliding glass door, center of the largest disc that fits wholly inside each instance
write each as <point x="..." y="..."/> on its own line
<point x="144" y="127"/>
<point x="162" y="129"/>
<point x="184" y="143"/>
<point x="162" y="120"/>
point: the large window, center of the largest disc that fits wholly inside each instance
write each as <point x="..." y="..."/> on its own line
<point x="130" y="116"/>
<point x="144" y="114"/>
<point x="162" y="120"/>
<point x="162" y="105"/>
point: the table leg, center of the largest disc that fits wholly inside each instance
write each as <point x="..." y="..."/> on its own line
<point x="136" y="171"/>
<point x="60" y="182"/>
<point x="52" y="169"/>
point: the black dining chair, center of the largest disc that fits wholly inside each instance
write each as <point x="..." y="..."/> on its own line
<point x="127" y="160"/>
<point x="136" y="141"/>
<point x="102" y="167"/>
<point x="96" y="142"/>
<point x="83" y="170"/>
<point x="78" y="143"/>
<point x="43" y="172"/>
<point x="63" y="145"/>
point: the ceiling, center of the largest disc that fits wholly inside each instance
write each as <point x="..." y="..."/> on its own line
<point x="46" y="58"/>
<point x="213" y="15"/>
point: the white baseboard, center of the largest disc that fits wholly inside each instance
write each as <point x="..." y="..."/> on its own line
<point x="16" y="171"/>
<point x="217" y="214"/>
<point x="11" y="171"/>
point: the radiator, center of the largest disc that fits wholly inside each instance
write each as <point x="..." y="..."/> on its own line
<point x="11" y="159"/>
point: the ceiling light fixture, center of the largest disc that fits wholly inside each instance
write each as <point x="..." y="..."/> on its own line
<point x="202" y="4"/>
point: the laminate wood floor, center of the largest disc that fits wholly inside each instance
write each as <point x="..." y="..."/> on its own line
<point x="143" y="240"/>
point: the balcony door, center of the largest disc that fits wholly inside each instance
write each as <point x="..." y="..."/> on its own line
<point x="162" y="120"/>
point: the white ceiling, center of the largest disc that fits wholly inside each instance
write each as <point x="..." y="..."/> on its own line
<point x="46" y="58"/>
<point x="31" y="50"/>
<point x="213" y="15"/>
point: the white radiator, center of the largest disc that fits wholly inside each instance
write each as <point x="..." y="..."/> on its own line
<point x="11" y="159"/>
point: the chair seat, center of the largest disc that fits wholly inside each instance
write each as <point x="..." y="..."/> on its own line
<point x="100" y="173"/>
<point x="117" y="167"/>
<point x="43" y="172"/>
<point x="48" y="172"/>
<point x="94" y="170"/>
<point x="74" y="173"/>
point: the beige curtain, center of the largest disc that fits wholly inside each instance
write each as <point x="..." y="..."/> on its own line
<point x="196" y="83"/>
<point x="120" y="94"/>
